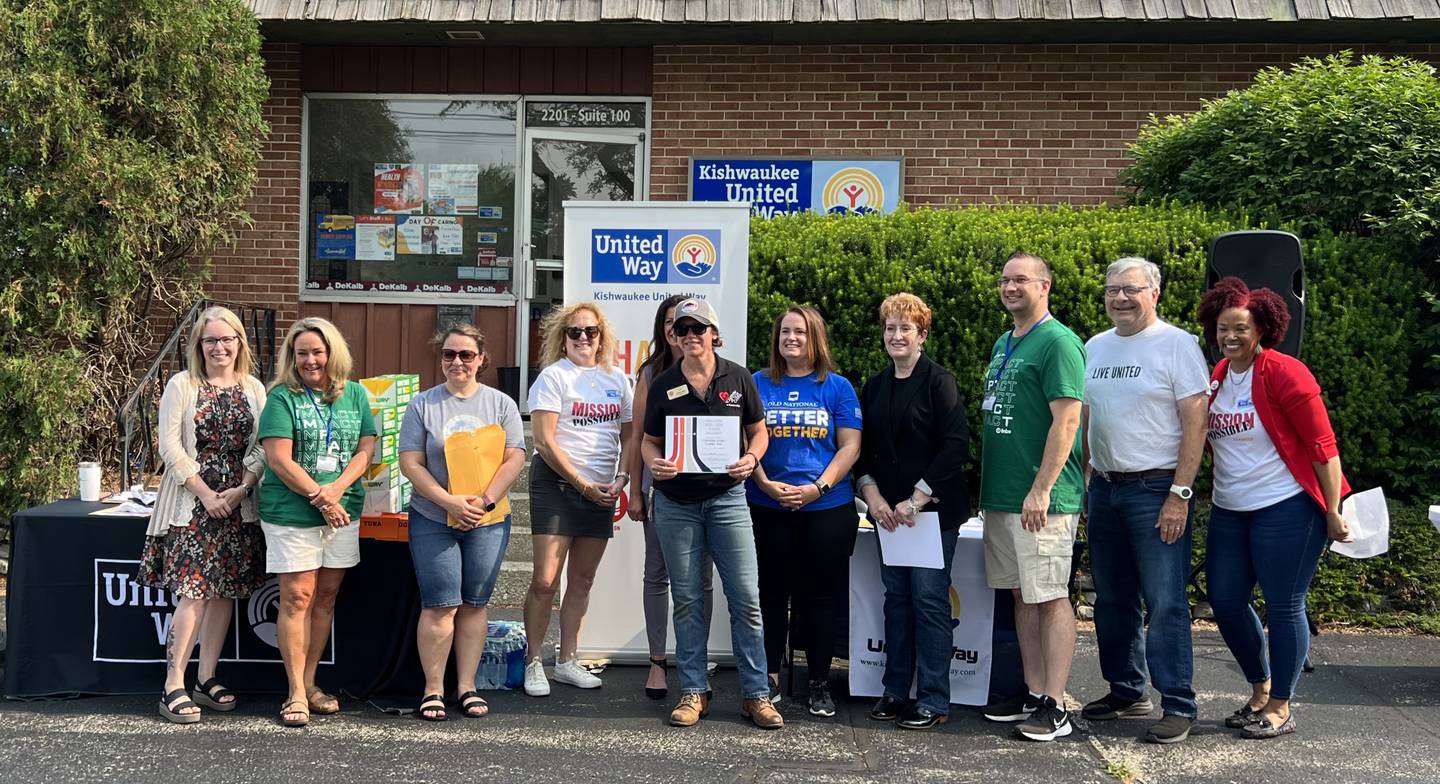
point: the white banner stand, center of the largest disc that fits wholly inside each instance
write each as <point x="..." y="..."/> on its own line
<point x="628" y="257"/>
<point x="972" y="611"/>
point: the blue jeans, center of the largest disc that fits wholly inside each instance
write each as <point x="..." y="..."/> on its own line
<point x="919" y="633"/>
<point x="1278" y="546"/>
<point x="721" y="527"/>
<point x="1129" y="562"/>
<point x="454" y="566"/>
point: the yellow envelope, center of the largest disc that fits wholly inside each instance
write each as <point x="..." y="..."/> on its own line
<point x="473" y="457"/>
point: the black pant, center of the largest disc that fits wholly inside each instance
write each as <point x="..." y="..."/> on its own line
<point x="805" y="555"/>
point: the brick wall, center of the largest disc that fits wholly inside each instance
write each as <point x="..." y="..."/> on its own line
<point x="262" y="266"/>
<point x="975" y="123"/>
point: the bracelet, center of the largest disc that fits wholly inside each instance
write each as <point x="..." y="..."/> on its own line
<point x="751" y="455"/>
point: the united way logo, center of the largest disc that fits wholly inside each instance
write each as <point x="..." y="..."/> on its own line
<point x="694" y="256"/>
<point x="853" y="191"/>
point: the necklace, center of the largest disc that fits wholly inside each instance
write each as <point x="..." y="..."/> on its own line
<point x="1241" y="378"/>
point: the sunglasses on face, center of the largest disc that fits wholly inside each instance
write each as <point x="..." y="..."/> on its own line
<point x="683" y="328"/>
<point x="450" y="355"/>
<point x="574" y="333"/>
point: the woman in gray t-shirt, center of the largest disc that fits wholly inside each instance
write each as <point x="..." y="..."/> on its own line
<point x="461" y="445"/>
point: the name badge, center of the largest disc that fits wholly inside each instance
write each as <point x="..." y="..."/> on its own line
<point x="327" y="463"/>
<point x="674" y="392"/>
<point x="988" y="404"/>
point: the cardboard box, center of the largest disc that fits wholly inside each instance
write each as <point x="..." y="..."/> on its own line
<point x="385" y="527"/>
<point x="386" y="451"/>
<point x="393" y="390"/>
<point x="385" y="489"/>
<point x="387" y="420"/>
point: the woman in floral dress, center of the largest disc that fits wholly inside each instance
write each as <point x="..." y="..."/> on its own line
<point x="203" y="544"/>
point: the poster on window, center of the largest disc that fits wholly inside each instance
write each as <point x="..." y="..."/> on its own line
<point x="430" y="235"/>
<point x="453" y="188"/>
<point x="374" y="238"/>
<point x="334" y="237"/>
<point x="399" y="188"/>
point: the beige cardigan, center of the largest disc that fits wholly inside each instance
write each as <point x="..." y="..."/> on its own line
<point x="174" y="503"/>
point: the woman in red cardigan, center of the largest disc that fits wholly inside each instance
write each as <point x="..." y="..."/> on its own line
<point x="1278" y="487"/>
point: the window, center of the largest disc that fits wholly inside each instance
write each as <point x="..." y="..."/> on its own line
<point x="410" y="195"/>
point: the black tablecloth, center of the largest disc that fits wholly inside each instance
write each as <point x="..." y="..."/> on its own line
<point x="79" y="624"/>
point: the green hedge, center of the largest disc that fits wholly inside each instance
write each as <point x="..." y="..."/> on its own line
<point x="42" y="400"/>
<point x="1363" y="305"/>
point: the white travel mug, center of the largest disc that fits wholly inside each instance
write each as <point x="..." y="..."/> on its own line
<point x="90" y="482"/>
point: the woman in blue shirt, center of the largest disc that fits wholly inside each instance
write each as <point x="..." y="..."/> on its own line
<point x="801" y="497"/>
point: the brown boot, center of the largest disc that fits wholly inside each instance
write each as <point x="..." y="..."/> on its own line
<point x="690" y="711"/>
<point x="760" y="711"/>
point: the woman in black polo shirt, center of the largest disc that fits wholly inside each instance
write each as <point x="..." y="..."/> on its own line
<point x="699" y="512"/>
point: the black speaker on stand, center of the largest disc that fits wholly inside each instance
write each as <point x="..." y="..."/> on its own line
<point x="1264" y="260"/>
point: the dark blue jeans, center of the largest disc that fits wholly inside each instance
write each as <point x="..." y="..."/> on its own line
<point x="1129" y="564"/>
<point x="1278" y="546"/>
<point x="919" y="635"/>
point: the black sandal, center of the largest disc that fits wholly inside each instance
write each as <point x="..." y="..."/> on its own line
<point x="658" y="694"/>
<point x="435" y="704"/>
<point x="471" y="700"/>
<point x="172" y="712"/>
<point x="210" y="693"/>
<point x="1242" y="718"/>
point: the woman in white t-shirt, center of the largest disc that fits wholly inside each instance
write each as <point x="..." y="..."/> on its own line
<point x="581" y="407"/>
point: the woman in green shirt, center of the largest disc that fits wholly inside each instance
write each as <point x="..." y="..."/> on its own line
<point x="318" y="436"/>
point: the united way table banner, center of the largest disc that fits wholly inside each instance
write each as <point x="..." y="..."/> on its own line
<point x="628" y="257"/>
<point x="775" y="186"/>
<point x="972" y="614"/>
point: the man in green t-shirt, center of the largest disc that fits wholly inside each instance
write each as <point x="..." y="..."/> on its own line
<point x="1031" y="488"/>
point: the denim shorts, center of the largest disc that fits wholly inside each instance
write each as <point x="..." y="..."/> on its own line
<point x="454" y="566"/>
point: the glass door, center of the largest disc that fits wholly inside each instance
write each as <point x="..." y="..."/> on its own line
<point x="565" y="165"/>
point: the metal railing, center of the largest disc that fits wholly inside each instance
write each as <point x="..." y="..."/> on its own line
<point x="137" y="421"/>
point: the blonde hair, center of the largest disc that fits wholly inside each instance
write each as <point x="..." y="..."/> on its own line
<point x="552" y="334"/>
<point x="817" y="345"/>
<point x="195" y="355"/>
<point x="906" y="306"/>
<point x="464" y="330"/>
<point x="338" y="363"/>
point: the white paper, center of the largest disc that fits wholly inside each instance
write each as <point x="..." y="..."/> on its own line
<point x="1369" y="520"/>
<point x="917" y="545"/>
<point x="126" y="509"/>
<point x="1435" y="517"/>
<point x="702" y="444"/>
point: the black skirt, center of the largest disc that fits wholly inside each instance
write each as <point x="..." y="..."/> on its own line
<point x="558" y="509"/>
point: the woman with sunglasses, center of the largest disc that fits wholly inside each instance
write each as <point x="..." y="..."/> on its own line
<point x="458" y="535"/>
<point x="581" y="407"/>
<point x="664" y="352"/>
<point x="705" y="511"/>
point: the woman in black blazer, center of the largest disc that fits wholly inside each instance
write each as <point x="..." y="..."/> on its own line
<point x="912" y="457"/>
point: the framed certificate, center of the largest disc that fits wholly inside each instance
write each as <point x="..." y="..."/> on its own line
<point x="702" y="444"/>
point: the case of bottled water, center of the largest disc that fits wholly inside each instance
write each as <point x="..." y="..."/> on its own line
<point x="502" y="666"/>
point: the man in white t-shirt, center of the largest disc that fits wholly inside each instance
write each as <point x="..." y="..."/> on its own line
<point x="1145" y="384"/>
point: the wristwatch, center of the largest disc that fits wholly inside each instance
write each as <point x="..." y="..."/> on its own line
<point x="250" y="490"/>
<point x="822" y="486"/>
<point x="487" y="504"/>
<point x="1181" y="490"/>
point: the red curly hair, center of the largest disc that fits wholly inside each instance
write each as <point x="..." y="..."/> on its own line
<point x="1271" y="315"/>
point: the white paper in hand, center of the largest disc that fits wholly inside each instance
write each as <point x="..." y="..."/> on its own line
<point x="1369" y="520"/>
<point x="702" y="444"/>
<point x="917" y="545"/>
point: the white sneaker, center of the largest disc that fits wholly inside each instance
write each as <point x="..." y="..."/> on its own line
<point x="575" y="675"/>
<point x="535" y="683"/>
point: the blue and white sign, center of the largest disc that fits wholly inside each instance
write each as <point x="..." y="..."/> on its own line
<point x="784" y="185"/>
<point x="640" y="256"/>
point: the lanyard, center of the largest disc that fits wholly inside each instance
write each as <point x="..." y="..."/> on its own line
<point x="1009" y="349"/>
<point x="327" y="420"/>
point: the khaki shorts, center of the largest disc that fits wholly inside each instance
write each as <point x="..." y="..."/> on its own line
<point x="290" y="548"/>
<point x="1037" y="563"/>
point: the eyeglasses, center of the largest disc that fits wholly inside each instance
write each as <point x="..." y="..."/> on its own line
<point x="227" y="341"/>
<point x="1020" y="281"/>
<point x="688" y="328"/>
<point x="467" y="356"/>
<point x="1130" y="291"/>
<point x="574" y="333"/>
